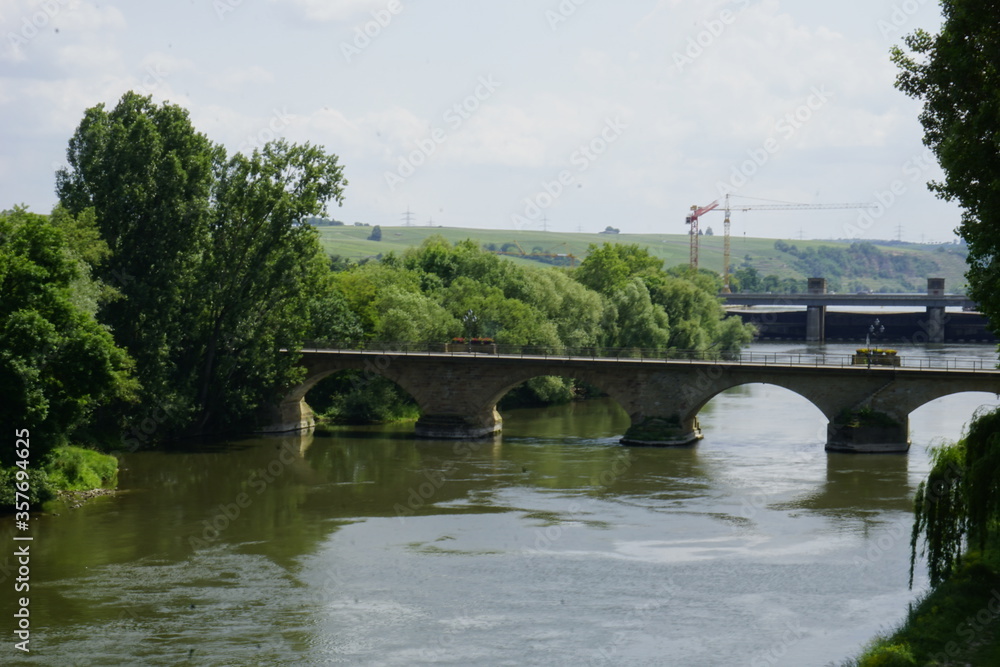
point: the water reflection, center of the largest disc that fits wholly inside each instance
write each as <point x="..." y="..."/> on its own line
<point x="859" y="488"/>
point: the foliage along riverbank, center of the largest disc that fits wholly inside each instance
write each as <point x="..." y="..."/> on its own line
<point x="154" y="301"/>
<point x="957" y="527"/>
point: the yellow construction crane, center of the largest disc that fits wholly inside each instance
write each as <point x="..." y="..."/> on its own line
<point x="729" y="206"/>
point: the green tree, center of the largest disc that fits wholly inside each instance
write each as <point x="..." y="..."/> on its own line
<point x="57" y="363"/>
<point x="609" y="268"/>
<point x="955" y="75"/>
<point x="148" y="176"/>
<point x="261" y="269"/>
<point x="213" y="255"/>
<point x="376" y="234"/>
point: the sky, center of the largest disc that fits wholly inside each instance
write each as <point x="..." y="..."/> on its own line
<point x="565" y="115"/>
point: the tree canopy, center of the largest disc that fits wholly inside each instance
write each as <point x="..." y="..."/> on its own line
<point x="211" y="253"/>
<point x="956" y="74"/>
<point x="57" y="363"/>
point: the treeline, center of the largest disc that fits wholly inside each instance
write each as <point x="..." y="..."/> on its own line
<point x="858" y="260"/>
<point x="156" y="299"/>
<point x="620" y="297"/>
<point x="748" y="279"/>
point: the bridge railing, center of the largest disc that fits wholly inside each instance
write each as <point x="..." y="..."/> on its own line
<point x="743" y="357"/>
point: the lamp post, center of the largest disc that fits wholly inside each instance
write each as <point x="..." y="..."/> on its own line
<point x="470" y="320"/>
<point x="875" y="329"/>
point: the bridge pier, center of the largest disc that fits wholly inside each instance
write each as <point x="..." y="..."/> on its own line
<point x="935" y="324"/>
<point x="458" y="427"/>
<point x="868" y="439"/>
<point x="662" y="432"/>
<point x="816" y="314"/>
<point x="815" y="323"/>
<point x="292" y="414"/>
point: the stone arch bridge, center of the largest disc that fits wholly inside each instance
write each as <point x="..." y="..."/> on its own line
<point x="868" y="408"/>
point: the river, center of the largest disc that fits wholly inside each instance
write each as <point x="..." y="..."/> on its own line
<point x="552" y="545"/>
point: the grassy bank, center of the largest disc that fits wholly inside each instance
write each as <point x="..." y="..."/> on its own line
<point x="64" y="469"/>
<point x="956" y="623"/>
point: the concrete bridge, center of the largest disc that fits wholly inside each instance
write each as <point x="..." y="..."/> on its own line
<point x="816" y="301"/>
<point x="867" y="408"/>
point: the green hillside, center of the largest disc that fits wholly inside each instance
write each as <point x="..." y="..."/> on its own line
<point x="351" y="242"/>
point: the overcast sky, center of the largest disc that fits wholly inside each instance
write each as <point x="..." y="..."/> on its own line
<point x="571" y="115"/>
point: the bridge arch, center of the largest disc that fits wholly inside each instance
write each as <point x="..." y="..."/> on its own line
<point x="294" y="412"/>
<point x="938" y="418"/>
<point x="517" y="379"/>
<point x="725" y="385"/>
<point x="352" y="396"/>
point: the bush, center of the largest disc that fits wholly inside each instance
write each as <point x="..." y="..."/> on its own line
<point x="40" y="488"/>
<point x="78" y="469"/>
<point x="888" y="655"/>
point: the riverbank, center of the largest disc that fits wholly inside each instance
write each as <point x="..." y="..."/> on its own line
<point x="66" y="469"/>
<point x="956" y="623"/>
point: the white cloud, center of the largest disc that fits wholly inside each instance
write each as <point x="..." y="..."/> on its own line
<point x="334" y="10"/>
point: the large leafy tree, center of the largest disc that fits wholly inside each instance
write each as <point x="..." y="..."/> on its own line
<point x="57" y="363"/>
<point x="147" y="175"/>
<point x="217" y="268"/>
<point x="262" y="268"/>
<point x="956" y="74"/>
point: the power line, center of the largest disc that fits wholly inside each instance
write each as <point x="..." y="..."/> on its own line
<point x="408" y="217"/>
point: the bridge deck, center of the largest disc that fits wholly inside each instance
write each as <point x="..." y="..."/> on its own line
<point x="914" y="300"/>
<point x="761" y="359"/>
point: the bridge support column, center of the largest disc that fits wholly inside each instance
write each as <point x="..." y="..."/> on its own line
<point x="815" y="323"/>
<point x="868" y="438"/>
<point x="816" y="315"/>
<point x="935" y="324"/>
<point x="293" y="414"/>
<point x="458" y="427"/>
<point x="663" y="432"/>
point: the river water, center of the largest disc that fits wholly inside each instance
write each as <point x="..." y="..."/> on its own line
<point x="552" y="545"/>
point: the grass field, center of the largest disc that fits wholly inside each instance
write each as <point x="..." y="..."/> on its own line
<point x="351" y="242"/>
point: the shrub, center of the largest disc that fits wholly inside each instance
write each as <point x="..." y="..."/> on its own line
<point x="78" y="469"/>
<point x="40" y="488"/>
<point x="887" y="655"/>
